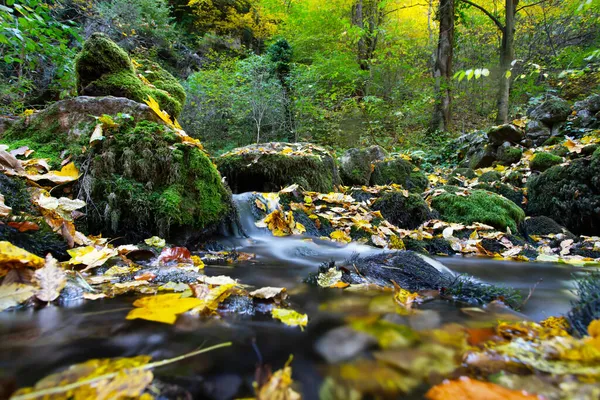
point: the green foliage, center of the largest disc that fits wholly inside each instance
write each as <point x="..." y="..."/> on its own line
<point x="542" y="161"/>
<point x="478" y="206"/>
<point x="33" y="41"/>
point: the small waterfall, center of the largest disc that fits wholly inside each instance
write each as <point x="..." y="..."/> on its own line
<point x="300" y="250"/>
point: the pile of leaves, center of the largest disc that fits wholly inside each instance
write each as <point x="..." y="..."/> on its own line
<point x="348" y="216"/>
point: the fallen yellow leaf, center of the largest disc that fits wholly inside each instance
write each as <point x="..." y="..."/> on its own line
<point x="162" y="308"/>
<point x="290" y="317"/>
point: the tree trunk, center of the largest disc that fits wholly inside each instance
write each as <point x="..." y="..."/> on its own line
<point x="507" y="55"/>
<point x="443" y="67"/>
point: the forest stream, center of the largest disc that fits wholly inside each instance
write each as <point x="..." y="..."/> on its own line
<point x="36" y="343"/>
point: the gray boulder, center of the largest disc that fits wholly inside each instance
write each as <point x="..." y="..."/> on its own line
<point x="552" y="110"/>
<point x="356" y="165"/>
<point x="504" y="133"/>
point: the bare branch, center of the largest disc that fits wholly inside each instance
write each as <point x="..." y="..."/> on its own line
<point x="486" y="12"/>
<point x="531" y="5"/>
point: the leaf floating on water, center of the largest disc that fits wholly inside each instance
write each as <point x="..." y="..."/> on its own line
<point x="290" y="317"/>
<point x="179" y="254"/>
<point x="155" y="241"/>
<point x="51" y="279"/>
<point x="217" y="280"/>
<point x="269" y="292"/>
<point x="13" y="294"/>
<point x="107" y="379"/>
<point x="470" y="389"/>
<point x="210" y="298"/>
<point x="329" y="278"/>
<point x="278" y="385"/>
<point x="162" y="308"/>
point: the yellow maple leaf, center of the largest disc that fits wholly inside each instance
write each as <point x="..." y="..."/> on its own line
<point x="340" y="236"/>
<point x="12" y="256"/>
<point x="162" y="308"/>
<point x="154" y="106"/>
<point x="90" y="256"/>
<point x="290" y="317"/>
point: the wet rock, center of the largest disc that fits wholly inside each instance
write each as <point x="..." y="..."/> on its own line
<point x="505" y="133"/>
<point x="342" y="344"/>
<point x="401" y="172"/>
<point x="482" y="158"/>
<point x="570" y="194"/>
<point x="552" y="110"/>
<point x="407" y="212"/>
<point x="537" y="132"/>
<point x="587" y="307"/>
<point x="356" y="165"/>
<point x="542" y="225"/>
<point x="269" y="167"/>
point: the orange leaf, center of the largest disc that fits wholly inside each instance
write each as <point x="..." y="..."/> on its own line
<point x="24" y="226"/>
<point x="478" y="336"/>
<point x="175" y="254"/>
<point x="470" y="389"/>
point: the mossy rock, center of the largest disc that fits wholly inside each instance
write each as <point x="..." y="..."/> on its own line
<point x="552" y="140"/>
<point x="269" y="167"/>
<point x="508" y="155"/>
<point x="407" y="212"/>
<point x="587" y="307"/>
<point x="542" y="161"/>
<point x="141" y="181"/>
<point x="511" y="193"/>
<point x="39" y="242"/>
<point x="467" y="173"/>
<point x="64" y="128"/>
<point x="570" y="194"/>
<point x="103" y="69"/>
<point x="478" y="206"/>
<point x="490" y="176"/>
<point x="560" y="151"/>
<point x="552" y="110"/>
<point x="401" y="172"/>
<point x="356" y="165"/>
<point x="542" y="226"/>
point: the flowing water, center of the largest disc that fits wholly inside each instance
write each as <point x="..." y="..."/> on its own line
<point x="34" y="343"/>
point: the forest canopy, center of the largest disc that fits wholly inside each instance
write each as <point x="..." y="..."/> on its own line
<point x="340" y="73"/>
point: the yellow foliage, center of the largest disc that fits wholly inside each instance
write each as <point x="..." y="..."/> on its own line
<point x="15" y="257"/>
<point x="290" y="317"/>
<point x="162" y="308"/>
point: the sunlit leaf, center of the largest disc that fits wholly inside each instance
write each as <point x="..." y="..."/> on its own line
<point x="290" y="317"/>
<point x="162" y="308"/>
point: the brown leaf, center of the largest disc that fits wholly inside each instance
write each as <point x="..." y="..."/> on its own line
<point x="24" y="226"/>
<point x="51" y="279"/>
<point x="180" y="254"/>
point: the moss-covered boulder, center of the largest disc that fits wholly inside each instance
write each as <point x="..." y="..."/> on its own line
<point x="103" y="69"/>
<point x="269" y="167"/>
<point x="144" y="180"/>
<point x="542" y="161"/>
<point x="63" y="129"/>
<point x="508" y="155"/>
<point x="466" y="207"/>
<point x="570" y="194"/>
<point x="399" y="171"/>
<point x="356" y="165"/>
<point x="490" y="176"/>
<point x="542" y="226"/>
<point x="512" y="193"/>
<point x="407" y="212"/>
<point x="552" y="110"/>
<point x="139" y="181"/>
<point x="505" y="133"/>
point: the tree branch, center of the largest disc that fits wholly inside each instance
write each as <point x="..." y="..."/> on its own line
<point x="486" y="12"/>
<point x="530" y="5"/>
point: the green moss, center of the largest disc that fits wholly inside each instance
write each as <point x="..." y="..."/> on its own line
<point x="15" y="194"/>
<point x="145" y="183"/>
<point x="272" y="172"/>
<point x="404" y="212"/>
<point x="560" y="151"/>
<point x="401" y="172"/>
<point x="509" y="155"/>
<point x="552" y="140"/>
<point x="103" y="68"/>
<point x="490" y="176"/>
<point x="543" y="161"/>
<point x="511" y="193"/>
<point x="48" y="142"/>
<point x="570" y="194"/>
<point x="479" y="206"/>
